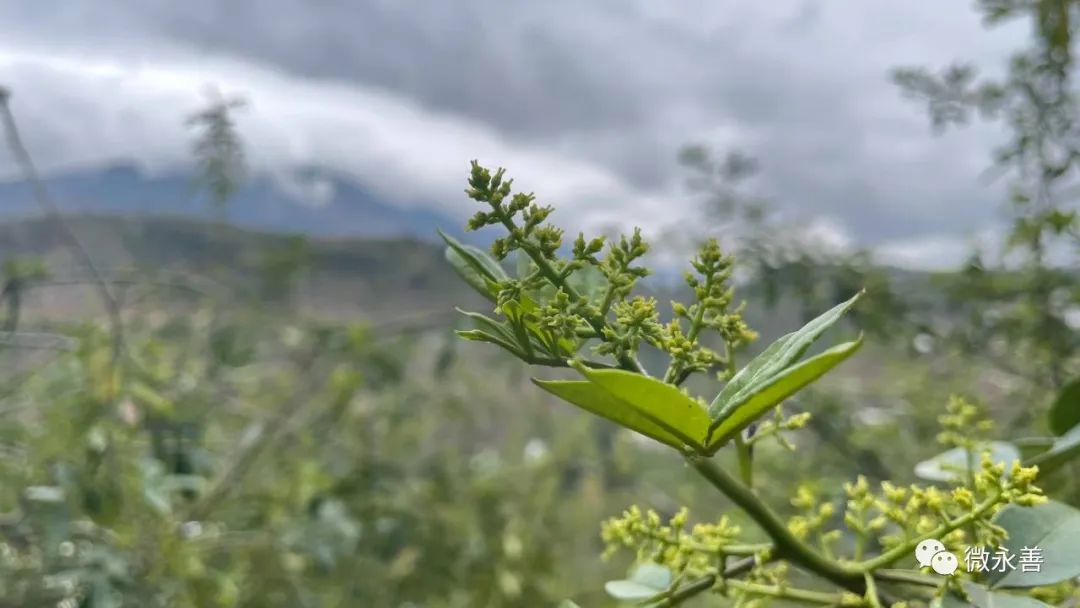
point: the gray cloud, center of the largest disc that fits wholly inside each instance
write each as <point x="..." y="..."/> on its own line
<point x="592" y="98"/>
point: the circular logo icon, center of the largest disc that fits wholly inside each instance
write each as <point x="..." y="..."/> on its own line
<point x="926" y="551"/>
<point x="944" y="563"/>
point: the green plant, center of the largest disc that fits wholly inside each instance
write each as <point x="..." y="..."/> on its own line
<point x="783" y="268"/>
<point x="579" y="311"/>
<point x="1017" y="313"/>
<point x="18" y="274"/>
<point x="218" y="151"/>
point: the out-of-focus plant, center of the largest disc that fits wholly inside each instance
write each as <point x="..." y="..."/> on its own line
<point x="219" y="151"/>
<point x="219" y="453"/>
<point x="780" y="261"/>
<point x="1020" y="312"/>
<point x="269" y="472"/>
<point x="281" y="267"/>
<point x="579" y="311"/>
<point x="19" y="273"/>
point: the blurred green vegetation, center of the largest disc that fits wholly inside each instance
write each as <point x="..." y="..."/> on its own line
<point x="251" y="448"/>
<point x="291" y="422"/>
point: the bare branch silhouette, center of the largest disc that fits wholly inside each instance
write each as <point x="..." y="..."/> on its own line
<point x="52" y="211"/>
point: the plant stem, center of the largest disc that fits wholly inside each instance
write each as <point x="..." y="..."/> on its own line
<point x="788" y="593"/>
<point x="871" y="591"/>
<point x="746" y="463"/>
<point x="787" y="545"/>
<point x="609" y="297"/>
<point x="52" y="211"/>
<point x="705" y="583"/>
<point x="674" y="372"/>
<point x="907" y="577"/>
<point x="734" y="550"/>
<point x="969" y="454"/>
<point x="686" y="592"/>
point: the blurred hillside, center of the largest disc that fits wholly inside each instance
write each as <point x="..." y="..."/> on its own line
<point x="310" y="201"/>
<point x="373" y="278"/>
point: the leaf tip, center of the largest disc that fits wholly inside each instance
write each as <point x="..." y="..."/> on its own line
<point x="579" y="365"/>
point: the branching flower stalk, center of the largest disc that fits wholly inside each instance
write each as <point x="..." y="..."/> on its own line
<point x="579" y="311"/>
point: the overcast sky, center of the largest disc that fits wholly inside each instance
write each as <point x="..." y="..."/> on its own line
<point x="586" y="102"/>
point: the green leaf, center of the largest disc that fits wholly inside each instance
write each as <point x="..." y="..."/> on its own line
<point x="647" y="581"/>
<point x="952" y="465"/>
<point x="501" y="330"/>
<point x="763" y="370"/>
<point x="981" y="597"/>
<point x="567" y="604"/>
<point x="479" y="335"/>
<point x="665" y="404"/>
<point x="474" y="265"/>
<point x="1030" y="447"/>
<point x="1065" y="448"/>
<point x="589" y="282"/>
<point x="653" y="575"/>
<point x="768" y="395"/>
<point x="230" y="345"/>
<point x="1052" y="527"/>
<point x="629" y="590"/>
<point x="149" y="398"/>
<point x="1065" y="412"/>
<point x="594" y="399"/>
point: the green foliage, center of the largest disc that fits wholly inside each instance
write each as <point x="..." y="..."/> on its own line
<point x="1065" y="412"/>
<point x="481" y="272"/>
<point x="554" y="323"/>
<point x="541" y="309"/>
<point x="548" y="317"/>
<point x="776" y="374"/>
<point x="240" y="461"/>
<point x="1062" y="451"/>
<point x="1038" y="103"/>
<point x="786" y="268"/>
<point x="594" y="399"/>
<point x="219" y="151"/>
<point x="953" y="464"/>
<point x="233" y="454"/>
<point x="1053" y="528"/>
<point x="19" y="273"/>
<point x="970" y="594"/>
<point x="281" y="267"/>
<point x="661" y="401"/>
<point x="646" y="581"/>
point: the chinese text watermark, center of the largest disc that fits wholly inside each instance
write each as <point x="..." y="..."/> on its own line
<point x="931" y="553"/>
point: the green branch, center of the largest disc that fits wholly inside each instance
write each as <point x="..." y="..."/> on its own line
<point x="675" y="373"/>
<point x="904" y="549"/>
<point x="734" y="550"/>
<point x="907" y="577"/>
<point x="788" y="593"/>
<point x="705" y="583"/>
<point x="787" y="544"/>
<point x="626" y="362"/>
<point x="746" y="464"/>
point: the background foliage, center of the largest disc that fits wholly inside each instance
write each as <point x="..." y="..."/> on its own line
<point x="196" y="415"/>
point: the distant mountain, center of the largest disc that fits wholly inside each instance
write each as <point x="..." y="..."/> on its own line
<point x="308" y="201"/>
<point x="378" y="278"/>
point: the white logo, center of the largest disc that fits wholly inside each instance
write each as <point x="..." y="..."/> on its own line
<point x="931" y="553"/>
<point x="944" y="563"/>
<point x="926" y="550"/>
